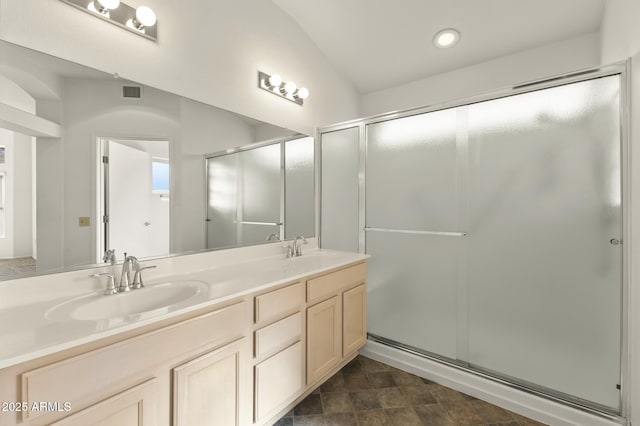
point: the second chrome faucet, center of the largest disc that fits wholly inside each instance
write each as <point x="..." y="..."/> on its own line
<point x="125" y="276"/>
<point x="295" y="249"/>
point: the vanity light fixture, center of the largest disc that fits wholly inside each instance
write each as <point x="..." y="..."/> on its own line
<point x="446" y="38"/>
<point x="141" y="21"/>
<point x="289" y="90"/>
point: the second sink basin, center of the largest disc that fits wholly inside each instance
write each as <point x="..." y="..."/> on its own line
<point x="148" y="301"/>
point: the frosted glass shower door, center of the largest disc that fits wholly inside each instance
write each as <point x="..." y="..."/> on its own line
<point x="259" y="194"/>
<point x="339" y="202"/>
<point x="545" y="280"/>
<point x="299" y="175"/>
<point x="222" y="201"/>
<point x="244" y="197"/>
<point x="412" y="231"/>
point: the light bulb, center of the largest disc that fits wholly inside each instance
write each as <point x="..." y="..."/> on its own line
<point x="275" y="80"/>
<point x="103" y="6"/>
<point x="108" y="4"/>
<point x="446" y="38"/>
<point x="289" y="87"/>
<point x="145" y="16"/>
<point x="302" y="93"/>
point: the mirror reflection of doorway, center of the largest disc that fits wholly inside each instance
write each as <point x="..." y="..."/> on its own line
<point x="17" y="203"/>
<point x="135" y="200"/>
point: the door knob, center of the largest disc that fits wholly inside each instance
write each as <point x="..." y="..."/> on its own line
<point x="615" y="241"/>
<point x="147" y="223"/>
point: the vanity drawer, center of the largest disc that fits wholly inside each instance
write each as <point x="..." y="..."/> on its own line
<point x="276" y="304"/>
<point x="278" y="381"/>
<point x="107" y="370"/>
<point x="326" y="285"/>
<point x="278" y="335"/>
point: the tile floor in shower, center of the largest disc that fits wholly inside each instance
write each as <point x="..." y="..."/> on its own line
<point x="369" y="393"/>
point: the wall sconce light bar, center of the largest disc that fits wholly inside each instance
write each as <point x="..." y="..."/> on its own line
<point x="139" y="21"/>
<point x="284" y="89"/>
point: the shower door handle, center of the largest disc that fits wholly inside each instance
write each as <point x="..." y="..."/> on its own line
<point x="416" y="232"/>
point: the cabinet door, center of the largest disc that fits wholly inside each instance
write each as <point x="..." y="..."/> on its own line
<point x="354" y="319"/>
<point x="324" y="338"/>
<point x="210" y="390"/>
<point x="137" y="406"/>
<point x="278" y="380"/>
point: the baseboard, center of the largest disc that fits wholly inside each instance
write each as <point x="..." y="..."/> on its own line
<point x="523" y="403"/>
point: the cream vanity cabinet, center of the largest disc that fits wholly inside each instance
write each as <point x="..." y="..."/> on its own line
<point x="278" y="350"/>
<point x="241" y="362"/>
<point x="336" y="319"/>
<point x="208" y="389"/>
<point x="188" y="371"/>
<point x="304" y="332"/>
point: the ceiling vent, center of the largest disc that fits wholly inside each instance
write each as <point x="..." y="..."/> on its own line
<point x="132" y="92"/>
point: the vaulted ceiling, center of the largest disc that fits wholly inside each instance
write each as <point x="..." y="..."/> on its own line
<point x="383" y="43"/>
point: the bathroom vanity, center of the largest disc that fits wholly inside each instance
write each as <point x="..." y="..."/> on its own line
<point x="261" y="336"/>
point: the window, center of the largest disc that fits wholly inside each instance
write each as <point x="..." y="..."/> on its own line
<point x="159" y="176"/>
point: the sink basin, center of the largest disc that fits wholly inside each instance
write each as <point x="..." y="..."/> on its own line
<point x="135" y="304"/>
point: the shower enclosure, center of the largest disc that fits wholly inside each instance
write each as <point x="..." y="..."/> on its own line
<point x="495" y="230"/>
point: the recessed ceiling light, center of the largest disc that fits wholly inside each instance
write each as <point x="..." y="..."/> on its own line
<point x="446" y="38"/>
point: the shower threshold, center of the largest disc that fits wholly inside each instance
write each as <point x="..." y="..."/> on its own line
<point x="514" y="383"/>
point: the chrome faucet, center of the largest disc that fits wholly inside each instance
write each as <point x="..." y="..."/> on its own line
<point x="111" y="286"/>
<point x="129" y="266"/>
<point x="125" y="276"/>
<point x="297" y="248"/>
<point x="109" y="256"/>
<point x="137" y="277"/>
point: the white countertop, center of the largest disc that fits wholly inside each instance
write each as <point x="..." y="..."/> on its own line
<point x="29" y="331"/>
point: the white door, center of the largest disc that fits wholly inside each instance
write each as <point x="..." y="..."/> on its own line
<point x="129" y="193"/>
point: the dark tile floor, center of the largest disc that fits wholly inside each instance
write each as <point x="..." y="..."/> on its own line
<point x="368" y="393"/>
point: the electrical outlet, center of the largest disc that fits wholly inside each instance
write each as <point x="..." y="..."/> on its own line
<point x="84" y="221"/>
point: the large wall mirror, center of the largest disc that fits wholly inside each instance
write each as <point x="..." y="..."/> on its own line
<point x="261" y="193"/>
<point x="89" y="161"/>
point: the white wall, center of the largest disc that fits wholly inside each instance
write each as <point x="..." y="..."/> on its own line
<point x="50" y="192"/>
<point x="18" y="211"/>
<point x="634" y="245"/>
<point x="19" y="180"/>
<point x="209" y="50"/>
<point x="549" y="60"/>
<point x="22" y="196"/>
<point x="620" y="31"/>
<point x="13" y="95"/>
<point x="267" y="132"/>
<point x="621" y="40"/>
<point x="6" y="242"/>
